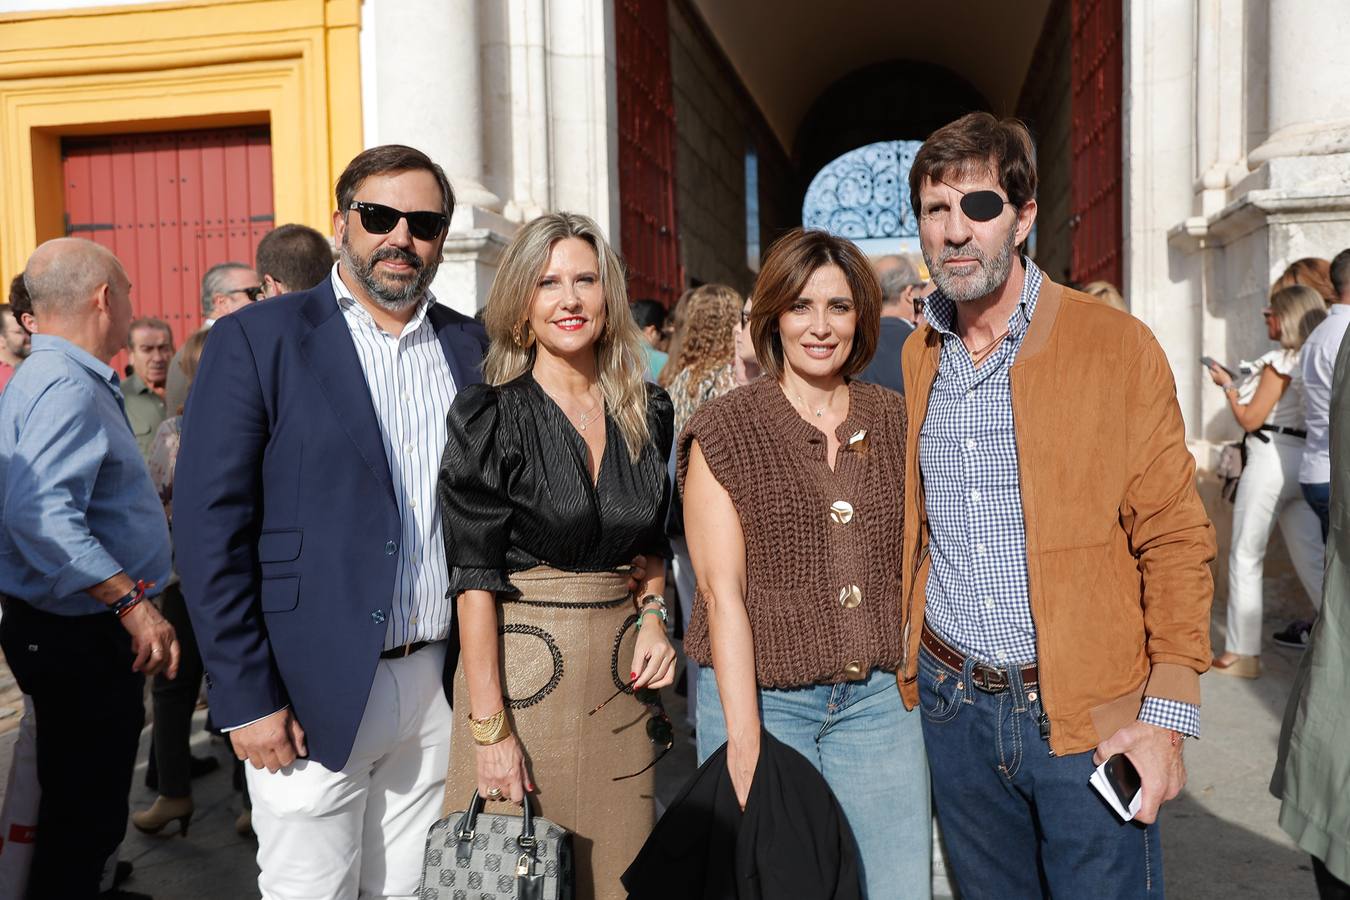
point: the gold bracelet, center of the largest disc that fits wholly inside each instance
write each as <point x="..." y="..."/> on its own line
<point x="492" y="730"/>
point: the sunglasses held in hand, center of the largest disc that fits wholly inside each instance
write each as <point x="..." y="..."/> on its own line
<point x="659" y="728"/>
<point x="423" y="224"/>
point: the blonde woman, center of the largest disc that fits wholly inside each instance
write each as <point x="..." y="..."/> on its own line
<point x="554" y="477"/>
<point x="704" y="368"/>
<point x="1269" y="407"/>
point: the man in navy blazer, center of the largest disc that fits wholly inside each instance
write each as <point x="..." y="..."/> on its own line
<point x="309" y="541"/>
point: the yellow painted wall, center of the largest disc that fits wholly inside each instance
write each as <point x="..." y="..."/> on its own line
<point x="294" y="64"/>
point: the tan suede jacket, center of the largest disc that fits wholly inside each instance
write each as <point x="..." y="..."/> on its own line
<point x="1118" y="542"/>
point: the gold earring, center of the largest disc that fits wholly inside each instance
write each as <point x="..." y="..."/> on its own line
<point x="522" y="338"/>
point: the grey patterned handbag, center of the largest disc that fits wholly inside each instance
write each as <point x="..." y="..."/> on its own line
<point x="473" y="855"/>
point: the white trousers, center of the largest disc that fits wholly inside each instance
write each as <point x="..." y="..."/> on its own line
<point x="18" y="815"/>
<point x="361" y="832"/>
<point x="1269" y="492"/>
<point x="683" y="570"/>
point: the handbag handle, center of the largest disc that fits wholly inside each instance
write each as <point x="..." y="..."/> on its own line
<point x="464" y="830"/>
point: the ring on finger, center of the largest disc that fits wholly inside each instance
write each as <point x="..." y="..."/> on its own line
<point x="495" y="794"/>
<point x="156" y="651"/>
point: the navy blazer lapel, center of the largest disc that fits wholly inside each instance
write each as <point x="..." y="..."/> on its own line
<point x="463" y="352"/>
<point x="328" y="349"/>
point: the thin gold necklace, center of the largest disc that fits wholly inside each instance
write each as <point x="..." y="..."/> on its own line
<point x="584" y="419"/>
<point x="818" y="413"/>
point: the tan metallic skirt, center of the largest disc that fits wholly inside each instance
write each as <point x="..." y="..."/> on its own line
<point x="566" y="644"/>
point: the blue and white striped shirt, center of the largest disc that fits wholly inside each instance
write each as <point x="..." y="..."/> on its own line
<point x="977" y="595"/>
<point x="411" y="389"/>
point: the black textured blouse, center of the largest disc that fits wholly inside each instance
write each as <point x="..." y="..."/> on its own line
<point x="515" y="488"/>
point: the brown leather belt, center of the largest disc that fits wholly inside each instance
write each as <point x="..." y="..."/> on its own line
<point x="987" y="678"/>
<point x="405" y="650"/>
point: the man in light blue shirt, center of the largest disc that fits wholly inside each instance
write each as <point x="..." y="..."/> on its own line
<point x="82" y="543"/>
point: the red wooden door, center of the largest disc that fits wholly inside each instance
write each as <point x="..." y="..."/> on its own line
<point x="649" y="239"/>
<point x="171" y="205"/>
<point x="1097" y="84"/>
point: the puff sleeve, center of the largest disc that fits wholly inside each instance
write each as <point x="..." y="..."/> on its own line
<point x="472" y="492"/>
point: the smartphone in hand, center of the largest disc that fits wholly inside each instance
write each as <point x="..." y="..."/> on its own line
<point x="1117" y="780"/>
<point x="1208" y="361"/>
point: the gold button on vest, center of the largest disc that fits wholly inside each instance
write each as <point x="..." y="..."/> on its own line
<point x="841" y="512"/>
<point x="853" y="670"/>
<point x="850" y="597"/>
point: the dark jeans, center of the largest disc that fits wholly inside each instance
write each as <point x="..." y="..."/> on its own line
<point x="175" y="700"/>
<point x="1018" y="822"/>
<point x="1319" y="498"/>
<point x="89" y="713"/>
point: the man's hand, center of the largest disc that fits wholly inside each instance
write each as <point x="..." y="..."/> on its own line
<point x="637" y="573"/>
<point x="270" y="743"/>
<point x="152" y="640"/>
<point x="1156" y="754"/>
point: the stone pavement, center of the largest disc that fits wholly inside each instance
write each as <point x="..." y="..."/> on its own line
<point x="1220" y="838"/>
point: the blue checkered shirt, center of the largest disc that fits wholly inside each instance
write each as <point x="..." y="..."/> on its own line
<point x="977" y="595"/>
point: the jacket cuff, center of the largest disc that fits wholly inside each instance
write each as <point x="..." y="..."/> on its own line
<point x="1171" y="681"/>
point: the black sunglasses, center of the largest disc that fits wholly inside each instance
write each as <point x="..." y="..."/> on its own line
<point x="254" y="294"/>
<point x="423" y="224"/>
<point x="660" y="731"/>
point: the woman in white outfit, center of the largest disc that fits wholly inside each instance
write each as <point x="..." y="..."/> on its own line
<point x="1269" y="407"/>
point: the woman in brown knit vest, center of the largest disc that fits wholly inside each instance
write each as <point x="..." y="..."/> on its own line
<point x="792" y="497"/>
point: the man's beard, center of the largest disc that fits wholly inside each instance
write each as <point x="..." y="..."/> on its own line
<point x="393" y="294"/>
<point x="990" y="275"/>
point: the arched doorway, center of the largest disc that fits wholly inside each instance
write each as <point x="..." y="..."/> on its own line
<point x="858" y="140"/>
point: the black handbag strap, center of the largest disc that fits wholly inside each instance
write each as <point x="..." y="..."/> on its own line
<point x="464" y="830"/>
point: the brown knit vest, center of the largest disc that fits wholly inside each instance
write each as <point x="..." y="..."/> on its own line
<point x="822" y="548"/>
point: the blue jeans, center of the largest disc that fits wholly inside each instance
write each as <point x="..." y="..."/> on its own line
<point x="1319" y="498"/>
<point x="870" y="750"/>
<point x="1018" y="822"/>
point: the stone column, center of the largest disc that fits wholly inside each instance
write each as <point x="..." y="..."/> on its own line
<point x="582" y="114"/>
<point x="1307" y="102"/>
<point x="423" y="86"/>
<point x="429" y="87"/>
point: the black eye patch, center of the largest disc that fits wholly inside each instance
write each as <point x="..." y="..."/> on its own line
<point x="982" y="206"/>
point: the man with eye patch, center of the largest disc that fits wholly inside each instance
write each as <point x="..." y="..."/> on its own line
<point x="1058" y="568"/>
